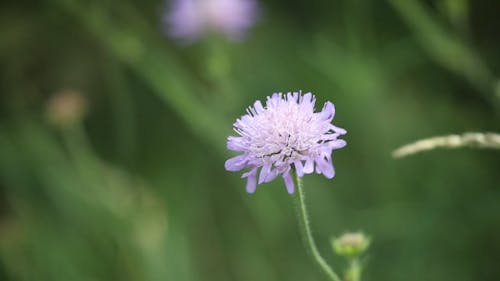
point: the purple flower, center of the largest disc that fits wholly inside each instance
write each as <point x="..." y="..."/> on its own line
<point x="188" y="19"/>
<point x="285" y="134"/>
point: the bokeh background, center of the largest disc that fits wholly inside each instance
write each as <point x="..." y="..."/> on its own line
<point x="127" y="182"/>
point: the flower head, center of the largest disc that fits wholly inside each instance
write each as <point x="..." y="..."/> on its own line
<point x="286" y="134"/>
<point x="188" y="19"/>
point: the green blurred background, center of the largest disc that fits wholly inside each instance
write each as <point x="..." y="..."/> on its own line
<point x="136" y="188"/>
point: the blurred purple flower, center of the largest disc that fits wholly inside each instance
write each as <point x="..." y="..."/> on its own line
<point x="285" y="134"/>
<point x="189" y="19"/>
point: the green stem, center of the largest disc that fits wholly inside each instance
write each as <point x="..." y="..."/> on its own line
<point x="354" y="271"/>
<point x="307" y="234"/>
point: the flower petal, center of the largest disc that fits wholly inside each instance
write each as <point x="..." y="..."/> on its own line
<point x="292" y="96"/>
<point x="309" y="167"/>
<point x="337" y="144"/>
<point x="258" y="107"/>
<point x="273" y="100"/>
<point x="236" y="163"/>
<point x="266" y="174"/>
<point x="307" y="97"/>
<point x="299" y="168"/>
<point x="236" y="144"/>
<point x="328" y="111"/>
<point x="325" y="167"/>
<point x="251" y="180"/>
<point x="338" y="130"/>
<point x="290" y="186"/>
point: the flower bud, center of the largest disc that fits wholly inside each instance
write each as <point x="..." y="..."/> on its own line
<point x="351" y="244"/>
<point x="65" y="108"/>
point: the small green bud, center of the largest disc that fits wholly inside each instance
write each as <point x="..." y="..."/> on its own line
<point x="350" y="244"/>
